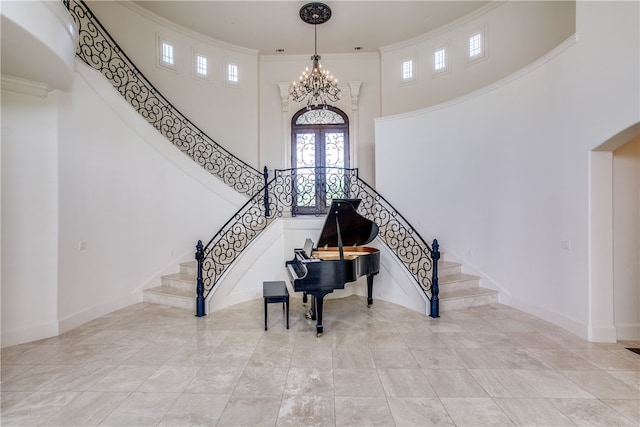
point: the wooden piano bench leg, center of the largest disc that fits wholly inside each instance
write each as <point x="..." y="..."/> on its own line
<point x="275" y="292"/>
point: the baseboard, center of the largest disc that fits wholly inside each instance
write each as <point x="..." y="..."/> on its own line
<point x="570" y="324"/>
<point x="90" y="313"/>
<point x="21" y="336"/>
<point x="627" y="332"/>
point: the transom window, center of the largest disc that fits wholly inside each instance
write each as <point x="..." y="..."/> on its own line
<point x="319" y="155"/>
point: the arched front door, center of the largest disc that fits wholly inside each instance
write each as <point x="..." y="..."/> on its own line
<point x="319" y="153"/>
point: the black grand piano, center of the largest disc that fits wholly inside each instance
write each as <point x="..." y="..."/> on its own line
<point x="338" y="259"/>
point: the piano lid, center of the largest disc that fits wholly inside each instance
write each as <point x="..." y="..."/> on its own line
<point x="355" y="229"/>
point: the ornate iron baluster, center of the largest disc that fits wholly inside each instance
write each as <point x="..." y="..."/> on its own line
<point x="199" y="285"/>
<point x="267" y="211"/>
<point x="435" y="290"/>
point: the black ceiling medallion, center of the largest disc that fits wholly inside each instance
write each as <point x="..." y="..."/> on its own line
<point x="315" y="13"/>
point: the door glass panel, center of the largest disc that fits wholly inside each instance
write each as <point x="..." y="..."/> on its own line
<point x="334" y="162"/>
<point x="305" y="184"/>
<point x="334" y="149"/>
<point x="305" y="150"/>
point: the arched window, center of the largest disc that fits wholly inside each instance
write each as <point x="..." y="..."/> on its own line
<point x="319" y="155"/>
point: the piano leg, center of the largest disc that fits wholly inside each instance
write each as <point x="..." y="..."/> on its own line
<point x="318" y="306"/>
<point x="369" y="290"/>
<point x="311" y="314"/>
<point x="315" y="313"/>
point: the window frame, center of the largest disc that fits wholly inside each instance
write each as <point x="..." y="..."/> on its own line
<point x="483" y="46"/>
<point x="161" y="42"/>
<point x="414" y="69"/>
<point x="195" y="64"/>
<point x="228" y="63"/>
<point x="447" y="58"/>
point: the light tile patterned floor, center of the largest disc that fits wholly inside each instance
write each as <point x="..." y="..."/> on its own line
<point x="150" y="365"/>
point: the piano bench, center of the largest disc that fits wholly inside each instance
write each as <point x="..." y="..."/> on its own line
<point x="275" y="292"/>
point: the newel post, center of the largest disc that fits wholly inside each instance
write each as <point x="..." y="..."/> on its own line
<point x="265" y="173"/>
<point x="435" y="301"/>
<point x="200" y="285"/>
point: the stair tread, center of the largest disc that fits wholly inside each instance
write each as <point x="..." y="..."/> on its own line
<point x="166" y="290"/>
<point x="464" y="293"/>
<point x="181" y="276"/>
<point x="456" y="277"/>
<point x="448" y="264"/>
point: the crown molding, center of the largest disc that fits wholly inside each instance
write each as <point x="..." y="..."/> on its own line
<point x="23" y="86"/>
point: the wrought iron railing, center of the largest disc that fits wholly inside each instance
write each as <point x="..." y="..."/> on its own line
<point x="98" y="50"/>
<point x="288" y="191"/>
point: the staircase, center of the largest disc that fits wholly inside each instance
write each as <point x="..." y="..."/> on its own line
<point x="177" y="289"/>
<point x="457" y="290"/>
<point x="460" y="290"/>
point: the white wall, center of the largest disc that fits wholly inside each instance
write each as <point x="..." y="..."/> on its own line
<point x="626" y="242"/>
<point x="94" y="207"/>
<point x="135" y="210"/>
<point x="505" y="171"/>
<point x="516" y="33"/>
<point x="29" y="217"/>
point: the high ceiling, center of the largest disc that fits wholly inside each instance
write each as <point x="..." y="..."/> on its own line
<point x="267" y="26"/>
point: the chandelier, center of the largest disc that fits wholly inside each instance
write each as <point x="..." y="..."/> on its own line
<point x="318" y="86"/>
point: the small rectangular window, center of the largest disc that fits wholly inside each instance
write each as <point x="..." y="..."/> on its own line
<point x="202" y="65"/>
<point x="232" y="73"/>
<point x="475" y="46"/>
<point x="167" y="53"/>
<point x="407" y="70"/>
<point x="440" y="60"/>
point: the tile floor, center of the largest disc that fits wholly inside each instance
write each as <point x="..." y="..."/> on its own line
<point x="151" y="365"/>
